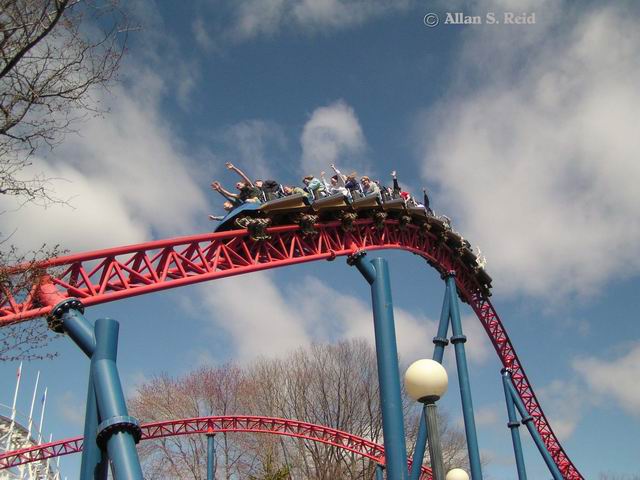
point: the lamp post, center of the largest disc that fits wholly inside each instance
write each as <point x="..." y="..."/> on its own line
<point x="457" y="474"/>
<point x="426" y="381"/>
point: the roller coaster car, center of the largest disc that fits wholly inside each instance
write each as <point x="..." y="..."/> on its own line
<point x="454" y="240"/>
<point x="436" y="225"/>
<point x="467" y="256"/>
<point x="292" y="203"/>
<point x="418" y="212"/>
<point x="483" y="277"/>
<point x="394" y="205"/>
<point x="366" y="202"/>
<point x="331" y="203"/>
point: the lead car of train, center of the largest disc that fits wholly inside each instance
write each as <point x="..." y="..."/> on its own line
<point x="298" y="209"/>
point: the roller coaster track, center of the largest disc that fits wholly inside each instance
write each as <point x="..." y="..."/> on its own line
<point x="112" y="274"/>
<point x="219" y="424"/>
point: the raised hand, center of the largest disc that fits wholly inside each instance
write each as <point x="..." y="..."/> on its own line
<point x="216" y="186"/>
<point x="229" y="165"/>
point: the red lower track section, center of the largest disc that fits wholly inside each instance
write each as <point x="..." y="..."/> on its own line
<point x="249" y="424"/>
<point x="113" y="274"/>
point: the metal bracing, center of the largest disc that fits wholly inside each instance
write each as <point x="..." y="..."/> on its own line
<point x="107" y="275"/>
<point x="218" y="424"/>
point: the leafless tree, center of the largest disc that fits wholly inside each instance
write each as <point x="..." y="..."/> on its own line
<point x="332" y="385"/>
<point x="53" y="55"/>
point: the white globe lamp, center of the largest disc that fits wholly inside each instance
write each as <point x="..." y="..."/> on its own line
<point x="426" y="380"/>
<point x="457" y="474"/>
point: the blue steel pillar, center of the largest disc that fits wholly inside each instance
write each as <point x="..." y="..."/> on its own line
<point x="94" y="463"/>
<point x="211" y="456"/>
<point x="117" y="433"/>
<point x="440" y="341"/>
<point x="376" y="273"/>
<point x="528" y="421"/>
<point x="458" y="339"/>
<point x="379" y="472"/>
<point x="513" y="426"/>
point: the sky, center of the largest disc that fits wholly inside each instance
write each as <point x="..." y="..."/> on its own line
<point x="525" y="134"/>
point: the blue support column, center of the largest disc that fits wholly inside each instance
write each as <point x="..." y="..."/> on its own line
<point x="211" y="456"/>
<point x="513" y="426"/>
<point x="117" y="433"/>
<point x="440" y="341"/>
<point x="377" y="274"/>
<point x="118" y="430"/>
<point x="458" y="339"/>
<point x="379" y="472"/>
<point x="94" y="463"/>
<point x="527" y="420"/>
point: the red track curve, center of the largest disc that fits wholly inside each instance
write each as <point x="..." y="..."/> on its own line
<point x="113" y="274"/>
<point x="218" y="424"/>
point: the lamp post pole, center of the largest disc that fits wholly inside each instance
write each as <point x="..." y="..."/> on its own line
<point x="426" y="381"/>
<point x="433" y="433"/>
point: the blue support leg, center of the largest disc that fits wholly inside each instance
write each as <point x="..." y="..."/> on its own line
<point x="94" y="465"/>
<point x="377" y="274"/>
<point x="458" y="339"/>
<point x="379" y="472"/>
<point x="105" y="399"/>
<point x="211" y="456"/>
<point x="528" y="421"/>
<point x="513" y="426"/>
<point x="118" y="431"/>
<point x="440" y="341"/>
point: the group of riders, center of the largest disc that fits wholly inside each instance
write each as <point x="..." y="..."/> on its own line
<point x="260" y="191"/>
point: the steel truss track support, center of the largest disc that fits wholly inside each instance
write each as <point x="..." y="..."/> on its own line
<point x="527" y="420"/>
<point x="376" y="272"/>
<point x="106" y="418"/>
<point x="450" y="313"/>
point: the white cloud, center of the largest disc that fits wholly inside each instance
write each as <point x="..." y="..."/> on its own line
<point x="565" y="404"/>
<point x="536" y="152"/>
<point x="277" y="318"/>
<point x="257" y="147"/>
<point x="251" y="18"/>
<point x="617" y="378"/>
<point x="123" y="176"/>
<point x="273" y="320"/>
<point x="333" y="134"/>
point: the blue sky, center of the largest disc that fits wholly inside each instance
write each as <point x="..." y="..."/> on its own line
<point x="527" y="136"/>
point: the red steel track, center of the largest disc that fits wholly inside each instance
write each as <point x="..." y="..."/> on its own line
<point x="113" y="274"/>
<point x="220" y="424"/>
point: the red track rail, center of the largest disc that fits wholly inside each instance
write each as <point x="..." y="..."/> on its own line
<point x="221" y="424"/>
<point x="116" y="273"/>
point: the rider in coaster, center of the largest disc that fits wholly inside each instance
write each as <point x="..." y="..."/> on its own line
<point x="248" y="191"/>
<point x="369" y="187"/>
<point x="269" y="189"/>
<point x="349" y="181"/>
<point x="289" y="190"/>
<point x="314" y="186"/>
<point x="335" y="185"/>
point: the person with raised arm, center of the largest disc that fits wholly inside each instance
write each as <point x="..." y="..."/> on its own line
<point x="335" y="185"/>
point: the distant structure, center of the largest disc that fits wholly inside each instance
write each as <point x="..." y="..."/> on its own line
<point x="18" y="431"/>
